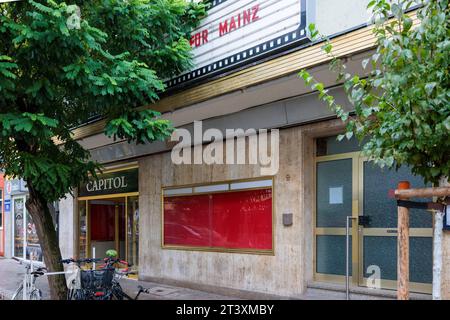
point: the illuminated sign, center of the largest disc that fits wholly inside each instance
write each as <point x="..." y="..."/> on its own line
<point x="238" y="32"/>
<point x="111" y="183"/>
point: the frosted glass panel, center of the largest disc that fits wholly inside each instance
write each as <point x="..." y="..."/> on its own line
<point x="330" y="255"/>
<point x="382" y="252"/>
<point x="334" y="193"/>
<point x="382" y="209"/>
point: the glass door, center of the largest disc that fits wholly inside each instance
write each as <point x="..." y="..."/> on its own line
<point x="133" y="231"/>
<point x="109" y="223"/>
<point x="378" y="237"/>
<point x="19" y="227"/>
<point x="336" y="188"/>
<point x="107" y="226"/>
<point x="348" y="185"/>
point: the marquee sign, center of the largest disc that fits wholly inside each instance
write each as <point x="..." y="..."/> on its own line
<point x="239" y="32"/>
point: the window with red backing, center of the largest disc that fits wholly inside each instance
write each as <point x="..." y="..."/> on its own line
<point x="234" y="215"/>
<point x="102" y="221"/>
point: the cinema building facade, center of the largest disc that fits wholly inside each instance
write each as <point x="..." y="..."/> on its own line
<point x="246" y="227"/>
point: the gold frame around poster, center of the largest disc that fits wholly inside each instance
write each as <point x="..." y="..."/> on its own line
<point x="221" y="249"/>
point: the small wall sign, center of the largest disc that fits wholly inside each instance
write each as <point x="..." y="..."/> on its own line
<point x="7" y="205"/>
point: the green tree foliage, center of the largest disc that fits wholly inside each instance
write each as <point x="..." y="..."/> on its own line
<point x="61" y="64"/>
<point x="401" y="107"/>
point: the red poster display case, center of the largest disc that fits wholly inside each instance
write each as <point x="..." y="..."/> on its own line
<point x="236" y="220"/>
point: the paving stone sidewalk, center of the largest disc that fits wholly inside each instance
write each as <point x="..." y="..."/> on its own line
<point x="11" y="274"/>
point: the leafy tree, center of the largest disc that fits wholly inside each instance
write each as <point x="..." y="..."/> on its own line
<point x="60" y="65"/>
<point x="401" y="106"/>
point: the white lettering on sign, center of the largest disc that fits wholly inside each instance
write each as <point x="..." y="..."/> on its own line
<point x="107" y="184"/>
<point x="235" y="31"/>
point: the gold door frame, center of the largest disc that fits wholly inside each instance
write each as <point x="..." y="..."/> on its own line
<point x="357" y="277"/>
<point x="86" y="200"/>
<point x="385" y="232"/>
<point x="118" y="168"/>
<point x="354" y="156"/>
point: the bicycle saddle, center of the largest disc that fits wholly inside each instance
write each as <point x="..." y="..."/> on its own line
<point x="39" y="271"/>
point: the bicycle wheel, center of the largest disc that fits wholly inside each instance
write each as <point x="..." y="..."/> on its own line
<point x="18" y="293"/>
<point x="78" y="294"/>
<point x="36" y="294"/>
<point x="119" y="294"/>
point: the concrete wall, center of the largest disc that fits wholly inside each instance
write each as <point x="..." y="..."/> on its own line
<point x="286" y="273"/>
<point x="280" y="274"/>
<point x="333" y="16"/>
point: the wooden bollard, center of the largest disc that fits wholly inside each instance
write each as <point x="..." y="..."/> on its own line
<point x="403" y="248"/>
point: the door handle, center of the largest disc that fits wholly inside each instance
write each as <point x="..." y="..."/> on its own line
<point x="364" y="221"/>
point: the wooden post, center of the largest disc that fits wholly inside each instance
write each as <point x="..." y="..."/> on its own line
<point x="403" y="248"/>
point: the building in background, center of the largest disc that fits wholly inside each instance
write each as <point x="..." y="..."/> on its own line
<point x="2" y="215"/>
<point x="232" y="227"/>
<point x="21" y="240"/>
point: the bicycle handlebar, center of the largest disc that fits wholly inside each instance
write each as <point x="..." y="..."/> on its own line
<point x="110" y="261"/>
<point x="79" y="261"/>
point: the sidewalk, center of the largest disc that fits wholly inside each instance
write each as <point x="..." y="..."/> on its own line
<point x="11" y="274"/>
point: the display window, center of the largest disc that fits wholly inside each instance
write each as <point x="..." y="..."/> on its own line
<point x="231" y="216"/>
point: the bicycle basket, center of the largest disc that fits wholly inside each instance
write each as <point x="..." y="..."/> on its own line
<point x="96" y="279"/>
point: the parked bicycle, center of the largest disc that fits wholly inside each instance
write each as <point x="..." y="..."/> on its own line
<point x="102" y="283"/>
<point x="84" y="283"/>
<point x="27" y="290"/>
<point x="29" y="282"/>
<point x="117" y="293"/>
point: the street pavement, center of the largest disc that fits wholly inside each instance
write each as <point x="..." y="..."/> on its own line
<point x="11" y="275"/>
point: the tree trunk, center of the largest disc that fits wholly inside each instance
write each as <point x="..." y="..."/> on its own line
<point x="37" y="206"/>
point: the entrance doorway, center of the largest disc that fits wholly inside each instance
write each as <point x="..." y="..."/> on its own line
<point x="348" y="185"/>
<point x="107" y="220"/>
<point x="109" y="223"/>
<point x="108" y="215"/>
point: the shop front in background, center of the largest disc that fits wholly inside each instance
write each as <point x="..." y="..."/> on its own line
<point x="25" y="239"/>
<point x="108" y="215"/>
<point x="2" y="232"/>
